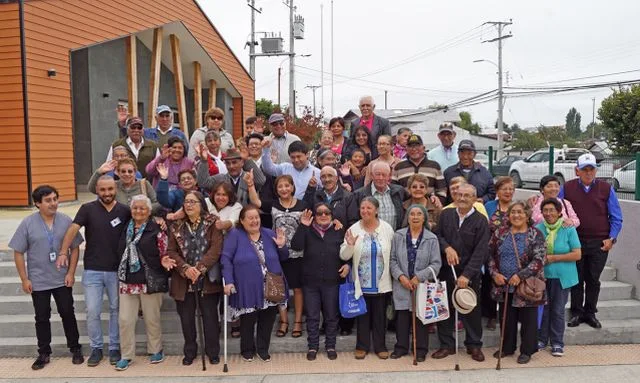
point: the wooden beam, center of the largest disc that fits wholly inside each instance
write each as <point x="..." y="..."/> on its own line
<point x="212" y="94"/>
<point x="179" y="82"/>
<point x="132" y="75"/>
<point x="154" y="75"/>
<point x="197" y="95"/>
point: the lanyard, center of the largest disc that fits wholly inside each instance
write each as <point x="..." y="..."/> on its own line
<point x="48" y="232"/>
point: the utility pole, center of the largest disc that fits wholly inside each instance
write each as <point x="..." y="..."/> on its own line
<point x="332" y="102"/>
<point x="593" y="118"/>
<point x="321" y="58"/>
<point x="385" y="99"/>
<point x="279" y="74"/>
<point x="500" y="25"/>
<point x="252" y="43"/>
<point x="292" y="83"/>
<point x="313" y="89"/>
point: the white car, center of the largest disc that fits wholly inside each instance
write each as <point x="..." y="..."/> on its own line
<point x="536" y="166"/>
<point x="625" y="177"/>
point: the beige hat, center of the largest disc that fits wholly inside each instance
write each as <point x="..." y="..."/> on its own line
<point x="464" y="300"/>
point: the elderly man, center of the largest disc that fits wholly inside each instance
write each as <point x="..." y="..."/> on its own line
<point x="280" y="138"/>
<point x="143" y="151"/>
<point x="417" y="162"/>
<point x="445" y="154"/>
<point x="597" y="206"/>
<point x="376" y="124"/>
<point x="332" y="193"/>
<point x="236" y="168"/>
<point x="476" y="174"/>
<point x="390" y="196"/>
<point x="299" y="167"/>
<point x="164" y="128"/>
<point x="464" y="244"/>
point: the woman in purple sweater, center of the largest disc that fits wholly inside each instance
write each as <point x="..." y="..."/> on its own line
<point x="250" y="251"/>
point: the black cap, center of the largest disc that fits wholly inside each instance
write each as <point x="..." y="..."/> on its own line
<point x="414" y="139"/>
<point x="466" y="145"/>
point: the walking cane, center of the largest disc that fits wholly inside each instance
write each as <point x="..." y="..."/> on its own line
<point x="504" y="321"/>
<point x="455" y="327"/>
<point x="225" y="300"/>
<point x="413" y="304"/>
<point x="200" y="324"/>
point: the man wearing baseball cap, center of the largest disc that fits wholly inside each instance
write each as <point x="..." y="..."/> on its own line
<point x="445" y="154"/>
<point x="596" y="204"/>
<point x="476" y="174"/>
<point x="280" y="138"/>
<point x="143" y="151"/>
<point x="164" y="128"/>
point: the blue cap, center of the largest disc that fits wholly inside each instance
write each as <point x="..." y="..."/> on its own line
<point x="162" y="109"/>
<point x="276" y="117"/>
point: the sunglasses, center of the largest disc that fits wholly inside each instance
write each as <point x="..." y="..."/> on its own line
<point x="323" y="212"/>
<point x="135" y="127"/>
<point x="216" y="118"/>
<point x="128" y="171"/>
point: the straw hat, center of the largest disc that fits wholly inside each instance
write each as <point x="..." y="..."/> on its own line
<point x="464" y="300"/>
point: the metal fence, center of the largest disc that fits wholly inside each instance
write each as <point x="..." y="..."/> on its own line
<point x="617" y="169"/>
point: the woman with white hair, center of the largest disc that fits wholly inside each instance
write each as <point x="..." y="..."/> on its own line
<point x="143" y="281"/>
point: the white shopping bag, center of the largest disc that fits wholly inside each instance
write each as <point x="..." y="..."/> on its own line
<point x="432" y="303"/>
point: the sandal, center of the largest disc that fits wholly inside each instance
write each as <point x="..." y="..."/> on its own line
<point x="235" y="332"/>
<point x="296" y="333"/>
<point x="281" y="333"/>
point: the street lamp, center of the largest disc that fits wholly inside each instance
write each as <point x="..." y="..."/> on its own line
<point x="280" y="73"/>
<point x="500" y="103"/>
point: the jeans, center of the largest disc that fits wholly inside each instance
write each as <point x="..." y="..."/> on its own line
<point x="42" y="306"/>
<point x="588" y="288"/>
<point x="552" y="327"/>
<point x="95" y="284"/>
<point x="317" y="299"/>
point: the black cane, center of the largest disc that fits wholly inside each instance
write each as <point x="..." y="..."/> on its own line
<point x="200" y="324"/>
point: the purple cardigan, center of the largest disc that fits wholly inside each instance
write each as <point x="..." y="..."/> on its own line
<point x="241" y="267"/>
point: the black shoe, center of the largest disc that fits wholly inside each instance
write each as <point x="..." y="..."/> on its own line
<point x="214" y="359"/>
<point x="345" y="332"/>
<point x="40" y="362"/>
<point x="77" y="357"/>
<point x="332" y="354"/>
<point x="95" y="357"/>
<point x="264" y="357"/>
<point x="574" y="321"/>
<point x="186" y="361"/>
<point x="114" y="357"/>
<point x="311" y="355"/>
<point x="592" y="321"/>
<point x="504" y="354"/>
<point x="421" y="358"/>
<point x="524" y="359"/>
<point x="397" y="355"/>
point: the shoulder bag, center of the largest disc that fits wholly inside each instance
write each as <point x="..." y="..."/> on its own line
<point x="532" y="288"/>
<point x="274" y="286"/>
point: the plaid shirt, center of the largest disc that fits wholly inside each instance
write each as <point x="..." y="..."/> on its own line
<point x="387" y="211"/>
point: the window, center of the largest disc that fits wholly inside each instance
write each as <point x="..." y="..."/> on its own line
<point x="537" y="157"/>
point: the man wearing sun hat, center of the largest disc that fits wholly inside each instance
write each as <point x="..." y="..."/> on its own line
<point x="597" y="206"/>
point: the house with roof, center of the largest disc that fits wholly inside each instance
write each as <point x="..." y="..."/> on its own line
<point x="66" y="65"/>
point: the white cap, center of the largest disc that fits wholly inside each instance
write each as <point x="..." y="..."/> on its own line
<point x="585" y="160"/>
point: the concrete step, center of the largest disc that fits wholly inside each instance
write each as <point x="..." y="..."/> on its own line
<point x="8" y="269"/>
<point x="614" y="310"/>
<point x="22" y="304"/>
<point x="13" y="286"/>
<point x="612" y="332"/>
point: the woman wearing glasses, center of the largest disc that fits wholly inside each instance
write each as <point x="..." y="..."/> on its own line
<point x="214" y="119"/>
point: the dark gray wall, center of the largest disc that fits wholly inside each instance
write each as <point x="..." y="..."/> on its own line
<point x="81" y="116"/>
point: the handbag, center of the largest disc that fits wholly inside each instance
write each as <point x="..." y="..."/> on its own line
<point x="532" y="288"/>
<point x="350" y="307"/>
<point x="157" y="280"/>
<point x="433" y="303"/>
<point x="274" y="286"/>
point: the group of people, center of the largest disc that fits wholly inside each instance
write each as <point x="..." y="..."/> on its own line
<point x="263" y="216"/>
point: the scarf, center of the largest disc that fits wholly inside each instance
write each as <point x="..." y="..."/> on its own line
<point x="195" y="242"/>
<point x="130" y="256"/>
<point x="552" y="231"/>
<point x="412" y="252"/>
<point x="321" y="229"/>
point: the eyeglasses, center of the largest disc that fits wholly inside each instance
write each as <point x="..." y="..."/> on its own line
<point x="186" y="179"/>
<point x="127" y="171"/>
<point x="135" y="127"/>
<point x="465" y="195"/>
<point x="323" y="212"/>
<point x="190" y="202"/>
<point x="277" y="123"/>
<point x="216" y="118"/>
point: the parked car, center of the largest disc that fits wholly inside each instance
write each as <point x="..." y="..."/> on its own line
<point x="501" y="167"/>
<point x="625" y="177"/>
<point x="534" y="167"/>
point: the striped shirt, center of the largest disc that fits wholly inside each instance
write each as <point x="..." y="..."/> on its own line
<point x="405" y="169"/>
<point x="387" y="210"/>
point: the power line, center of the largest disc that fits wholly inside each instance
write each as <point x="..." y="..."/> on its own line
<point x="582" y="78"/>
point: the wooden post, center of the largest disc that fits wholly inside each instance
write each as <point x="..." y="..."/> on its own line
<point x="212" y="94"/>
<point x="154" y="84"/>
<point x="179" y="82"/>
<point x="197" y="96"/>
<point x="132" y="75"/>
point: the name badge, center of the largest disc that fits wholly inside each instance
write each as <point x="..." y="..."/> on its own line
<point x="52" y="256"/>
<point x="115" y="222"/>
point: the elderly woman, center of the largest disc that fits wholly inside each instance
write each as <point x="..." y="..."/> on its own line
<point x="563" y="251"/>
<point x="418" y="186"/>
<point x="250" y="251"/>
<point x="215" y="158"/>
<point x="214" y="120"/>
<point x="194" y="245"/>
<point x="174" y="158"/>
<point x="322" y="269"/>
<point x="143" y="281"/>
<point x="286" y="211"/>
<point x="222" y="202"/>
<point x="550" y="188"/>
<point x="414" y="250"/>
<point x="326" y="140"/>
<point x="385" y="154"/>
<point x="127" y="186"/>
<point x="367" y="244"/>
<point x="400" y="147"/>
<point x="517" y="252"/>
<point x="327" y="157"/>
<point x="336" y="125"/>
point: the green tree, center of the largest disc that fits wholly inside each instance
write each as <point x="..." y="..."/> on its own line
<point x="264" y="107"/>
<point x="467" y="124"/>
<point x="505" y="127"/>
<point x="555" y="135"/>
<point x="523" y="140"/>
<point x="572" y="123"/>
<point x="595" y="131"/>
<point x="620" y="116"/>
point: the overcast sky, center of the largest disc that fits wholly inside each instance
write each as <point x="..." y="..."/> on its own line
<point x="552" y="41"/>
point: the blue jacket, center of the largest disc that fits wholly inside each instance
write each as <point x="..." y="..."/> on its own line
<point x="152" y="134"/>
<point x="240" y="266"/>
<point x="171" y="199"/>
